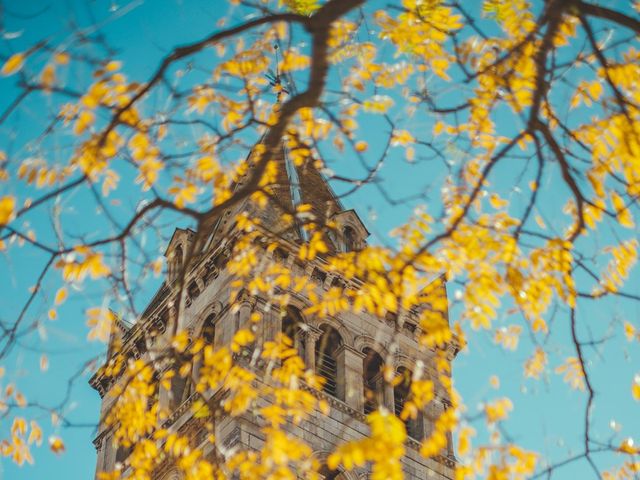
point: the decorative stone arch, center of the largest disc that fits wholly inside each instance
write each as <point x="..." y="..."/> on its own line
<point x="365" y="341"/>
<point x="294" y="325"/>
<point x="351" y="232"/>
<point x="345" y="333"/>
<point x="362" y="344"/>
<point x="212" y="311"/>
<point x="403" y="361"/>
<point x="301" y="303"/>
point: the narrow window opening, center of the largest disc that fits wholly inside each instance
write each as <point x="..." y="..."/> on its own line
<point x="349" y="239"/>
<point x="292" y="327"/>
<point x="327" y="349"/>
<point x="373" y="380"/>
<point x="401" y="393"/>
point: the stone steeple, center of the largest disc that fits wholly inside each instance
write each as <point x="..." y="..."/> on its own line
<point x="295" y="185"/>
<point x="347" y="349"/>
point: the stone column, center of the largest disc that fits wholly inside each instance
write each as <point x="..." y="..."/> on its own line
<point x="388" y="396"/>
<point x="311" y="337"/>
<point x="350" y="377"/>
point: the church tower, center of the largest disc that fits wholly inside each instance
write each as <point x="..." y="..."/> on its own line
<point x="348" y="349"/>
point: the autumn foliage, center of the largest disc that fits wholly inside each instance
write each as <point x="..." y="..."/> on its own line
<point x="549" y="90"/>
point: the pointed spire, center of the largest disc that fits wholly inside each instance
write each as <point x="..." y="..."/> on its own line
<point x="294" y="185"/>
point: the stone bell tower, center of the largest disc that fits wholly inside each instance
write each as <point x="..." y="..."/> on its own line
<point x="347" y="349"/>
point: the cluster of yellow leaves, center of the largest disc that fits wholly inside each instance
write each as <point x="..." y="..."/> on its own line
<point x="378" y="104"/>
<point x="384" y="448"/>
<point x="535" y="365"/>
<point x="573" y="373"/>
<point x="627" y="470"/>
<point x="184" y="191"/>
<point x="101" y="322"/>
<point x="549" y="268"/>
<point x="147" y="156"/>
<point x="437" y="441"/>
<point x="36" y="171"/>
<point x="511" y="80"/>
<point x="587" y="93"/>
<point x="7" y="209"/>
<point x="624" y="258"/>
<point x="18" y="445"/>
<point x="631" y="332"/>
<point x="512" y="462"/>
<point x="293" y="60"/>
<point x="134" y="414"/>
<point x="422" y="30"/>
<point x="282" y="456"/>
<point x="82" y="262"/>
<point x="290" y="401"/>
<point x="302" y="7"/>
<point x="498" y="410"/>
<point x="316" y="245"/>
<point x="508" y="337"/>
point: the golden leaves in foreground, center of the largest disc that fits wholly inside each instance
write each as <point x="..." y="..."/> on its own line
<point x="81" y="263"/>
<point x="384" y="449"/>
<point x="498" y="410"/>
<point x="18" y="445"/>
<point x="635" y="387"/>
<point x="13" y="64"/>
<point x="535" y="365"/>
<point x="573" y="374"/>
<point x="7" y="209"/>
<point x="101" y="322"/>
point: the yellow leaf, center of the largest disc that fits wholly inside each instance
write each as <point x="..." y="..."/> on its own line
<point x="48" y="76"/>
<point x="629" y="331"/>
<point x="101" y="321"/>
<point x="44" y="363"/>
<point x="13" y="64"/>
<point x="85" y="120"/>
<point x="241" y="338"/>
<point x="7" y="209"/>
<point x="464" y="440"/>
<point x="61" y="58"/>
<point x="624" y="216"/>
<point x="61" y="295"/>
<point x="497" y="202"/>
<point x="56" y="445"/>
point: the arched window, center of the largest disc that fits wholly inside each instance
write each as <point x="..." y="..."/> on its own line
<point x="401" y="393"/>
<point x="122" y="453"/>
<point x="292" y="327"/>
<point x="208" y="335"/>
<point x="327" y="365"/>
<point x="209" y="329"/>
<point x="373" y="380"/>
<point x="326" y="474"/>
<point x="349" y="239"/>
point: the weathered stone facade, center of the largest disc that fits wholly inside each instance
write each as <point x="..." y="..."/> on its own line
<point x="354" y="341"/>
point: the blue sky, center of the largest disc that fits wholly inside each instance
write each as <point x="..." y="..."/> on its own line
<point x="548" y="416"/>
